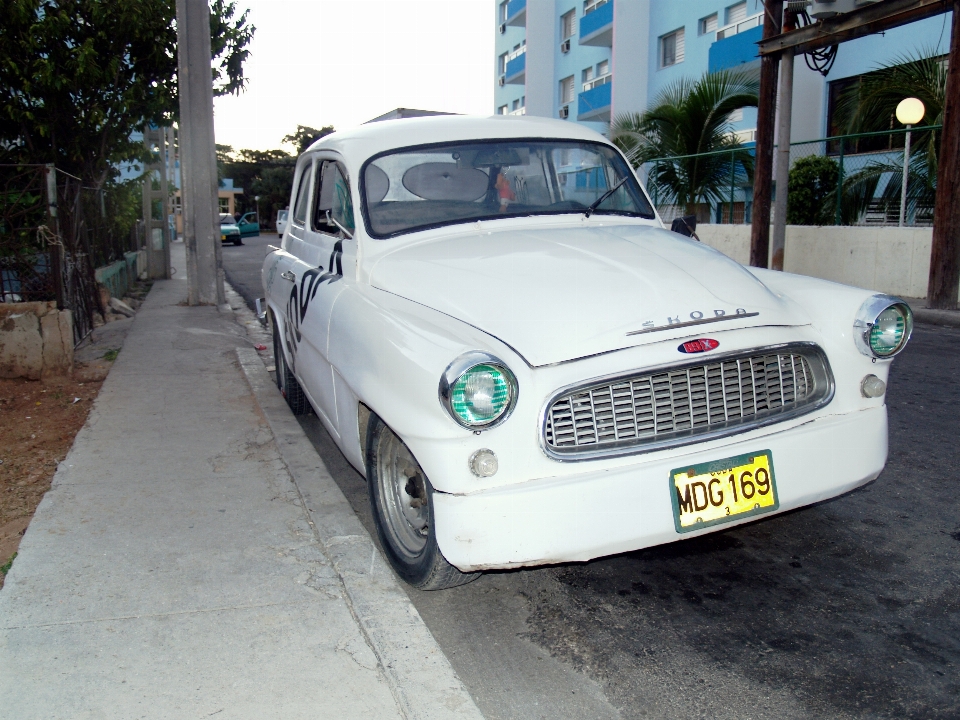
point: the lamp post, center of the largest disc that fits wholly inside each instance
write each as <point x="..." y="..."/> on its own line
<point x="256" y="199"/>
<point x="909" y="112"/>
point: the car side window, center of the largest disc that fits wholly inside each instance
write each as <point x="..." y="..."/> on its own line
<point x="333" y="195"/>
<point x="303" y="198"/>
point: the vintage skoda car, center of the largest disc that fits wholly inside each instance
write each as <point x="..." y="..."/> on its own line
<point x="492" y="323"/>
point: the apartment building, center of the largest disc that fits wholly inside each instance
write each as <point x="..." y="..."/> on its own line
<point x="588" y="61"/>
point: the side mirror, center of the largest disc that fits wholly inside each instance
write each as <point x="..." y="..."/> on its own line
<point x="686" y="226"/>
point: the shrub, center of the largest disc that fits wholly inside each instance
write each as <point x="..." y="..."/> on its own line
<point x="811" y="199"/>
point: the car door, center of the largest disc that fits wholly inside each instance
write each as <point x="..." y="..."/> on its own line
<point x="249" y="225"/>
<point x="325" y="254"/>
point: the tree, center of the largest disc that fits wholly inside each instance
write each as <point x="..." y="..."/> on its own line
<point x="305" y="136"/>
<point x="690" y="118"/>
<point x="811" y="199"/>
<point x="82" y="75"/>
<point x="871" y="107"/>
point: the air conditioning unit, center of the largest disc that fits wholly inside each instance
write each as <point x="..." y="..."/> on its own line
<point x="565" y="46"/>
<point x="564" y="112"/>
<point x="503" y="28"/>
<point x="503" y="80"/>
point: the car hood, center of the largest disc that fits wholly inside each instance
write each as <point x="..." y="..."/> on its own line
<point x="556" y="294"/>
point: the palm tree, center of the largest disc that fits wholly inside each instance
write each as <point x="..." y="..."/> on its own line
<point x="871" y="107"/>
<point x="690" y="118"/>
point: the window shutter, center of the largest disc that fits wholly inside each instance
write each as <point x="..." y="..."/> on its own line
<point x="680" y="45"/>
<point x="736" y="13"/>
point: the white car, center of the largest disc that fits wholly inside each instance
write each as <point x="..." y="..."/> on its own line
<point x="282" y="221"/>
<point x="490" y="320"/>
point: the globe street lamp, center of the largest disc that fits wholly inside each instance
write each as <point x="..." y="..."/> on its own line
<point x="256" y="199"/>
<point x="909" y="112"/>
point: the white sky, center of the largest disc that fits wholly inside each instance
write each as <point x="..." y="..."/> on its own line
<point x="342" y="62"/>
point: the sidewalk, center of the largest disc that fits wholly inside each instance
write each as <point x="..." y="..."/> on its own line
<point x="186" y="563"/>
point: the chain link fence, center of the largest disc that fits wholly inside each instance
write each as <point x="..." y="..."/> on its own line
<point x="844" y="180"/>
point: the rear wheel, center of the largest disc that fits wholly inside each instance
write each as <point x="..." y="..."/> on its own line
<point x="286" y="382"/>
<point x="401" y="497"/>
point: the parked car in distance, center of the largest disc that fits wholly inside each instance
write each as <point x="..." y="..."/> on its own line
<point x="282" y="221"/>
<point x="229" y="230"/>
<point x="492" y="323"/>
<point x="249" y="225"/>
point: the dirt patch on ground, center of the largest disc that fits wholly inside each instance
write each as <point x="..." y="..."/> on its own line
<point x="38" y="421"/>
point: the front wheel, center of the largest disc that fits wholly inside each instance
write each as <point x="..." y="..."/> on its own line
<point x="401" y="498"/>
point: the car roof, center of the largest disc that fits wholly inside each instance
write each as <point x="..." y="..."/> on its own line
<point x="362" y="142"/>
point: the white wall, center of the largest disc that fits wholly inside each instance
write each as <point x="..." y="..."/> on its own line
<point x="631" y="20"/>
<point x="542" y="31"/>
<point x="886" y="259"/>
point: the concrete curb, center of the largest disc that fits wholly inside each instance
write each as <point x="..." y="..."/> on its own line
<point x="421" y="678"/>
<point x="927" y="316"/>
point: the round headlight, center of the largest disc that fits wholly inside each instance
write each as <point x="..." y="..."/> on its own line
<point x="883" y="326"/>
<point x="478" y="390"/>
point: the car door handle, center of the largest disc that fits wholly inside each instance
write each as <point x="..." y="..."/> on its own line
<point x="287" y="275"/>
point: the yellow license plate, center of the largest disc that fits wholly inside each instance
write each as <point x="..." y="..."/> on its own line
<point x="723" y="490"/>
<point x="223" y="237"/>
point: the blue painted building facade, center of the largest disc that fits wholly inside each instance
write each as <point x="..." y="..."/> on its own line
<point x="590" y="60"/>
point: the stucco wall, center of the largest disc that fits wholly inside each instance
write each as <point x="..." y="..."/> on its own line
<point x="36" y="340"/>
<point x="886" y="259"/>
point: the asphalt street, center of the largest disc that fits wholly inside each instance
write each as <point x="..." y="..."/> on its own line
<point x="847" y="609"/>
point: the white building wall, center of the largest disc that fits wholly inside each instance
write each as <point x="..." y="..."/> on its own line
<point x="543" y="31"/>
<point x="630" y="61"/>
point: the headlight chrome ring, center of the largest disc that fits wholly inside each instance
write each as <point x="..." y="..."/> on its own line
<point x="478" y="391"/>
<point x="883" y="326"/>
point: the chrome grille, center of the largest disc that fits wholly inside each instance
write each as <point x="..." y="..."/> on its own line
<point x="670" y="406"/>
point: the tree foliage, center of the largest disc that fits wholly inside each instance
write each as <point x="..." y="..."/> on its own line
<point x="690" y="118"/>
<point x="811" y="199"/>
<point x="305" y="136"/>
<point x="82" y="75"/>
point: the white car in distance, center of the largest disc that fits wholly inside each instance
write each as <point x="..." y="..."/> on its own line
<point x="490" y="320"/>
<point x="282" y="221"/>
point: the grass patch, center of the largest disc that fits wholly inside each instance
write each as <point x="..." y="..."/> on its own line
<point x="111" y="355"/>
<point x="4" y="569"/>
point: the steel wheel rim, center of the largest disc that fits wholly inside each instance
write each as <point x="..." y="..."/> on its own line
<point x="403" y="495"/>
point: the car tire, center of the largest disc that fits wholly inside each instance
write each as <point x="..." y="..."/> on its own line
<point x="286" y="382"/>
<point x="238" y="241"/>
<point x="401" y="498"/>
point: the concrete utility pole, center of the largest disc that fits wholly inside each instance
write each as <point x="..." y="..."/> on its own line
<point x="198" y="156"/>
<point x="944" y="281"/>
<point x="784" y="120"/>
<point x="766" y="118"/>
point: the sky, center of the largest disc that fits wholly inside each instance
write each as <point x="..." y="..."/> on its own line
<point x="341" y="63"/>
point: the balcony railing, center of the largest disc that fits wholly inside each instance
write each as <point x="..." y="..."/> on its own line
<point x="737" y="28"/>
<point x="519" y="111"/>
<point x="594" y="104"/>
<point x="517" y="13"/>
<point x="517" y="53"/>
<point x="596" y="25"/>
<point x="596" y="82"/>
<point x="590" y="7"/>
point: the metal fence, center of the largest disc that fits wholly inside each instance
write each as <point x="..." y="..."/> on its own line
<point x="53" y="233"/>
<point x="843" y="180"/>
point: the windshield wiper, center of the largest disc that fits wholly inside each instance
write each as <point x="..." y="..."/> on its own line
<point x="589" y="211"/>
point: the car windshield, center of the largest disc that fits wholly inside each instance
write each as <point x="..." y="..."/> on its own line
<point x="227" y="220"/>
<point x="453" y="183"/>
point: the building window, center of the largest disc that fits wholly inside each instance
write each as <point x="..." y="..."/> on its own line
<point x="225" y="204"/>
<point x="503" y="110"/>
<point x="707" y="24"/>
<point x="503" y="12"/>
<point x="672" y="48"/>
<point x="502" y="63"/>
<point x="603" y="68"/>
<point x="566" y="90"/>
<point x="568" y="24"/>
<point x="587" y="74"/>
<point x="736" y="13"/>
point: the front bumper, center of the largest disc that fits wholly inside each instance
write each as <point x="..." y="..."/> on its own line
<point x="588" y="515"/>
